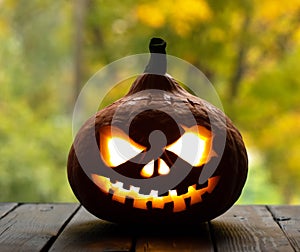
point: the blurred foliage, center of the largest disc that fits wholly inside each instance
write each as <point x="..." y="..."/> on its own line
<point x="248" y="49"/>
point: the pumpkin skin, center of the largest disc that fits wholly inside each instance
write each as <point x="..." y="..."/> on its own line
<point x="175" y="113"/>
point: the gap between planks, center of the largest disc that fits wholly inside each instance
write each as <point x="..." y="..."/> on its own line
<point x="86" y="232"/>
<point x="5" y="208"/>
<point x="69" y="227"/>
<point x="53" y="238"/>
<point x="249" y="228"/>
<point x="29" y="227"/>
<point x="288" y="219"/>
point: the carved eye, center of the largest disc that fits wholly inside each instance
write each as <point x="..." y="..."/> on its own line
<point x="116" y="147"/>
<point x="194" y="146"/>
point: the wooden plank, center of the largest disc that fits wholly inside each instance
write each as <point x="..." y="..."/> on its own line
<point x="181" y="239"/>
<point x="86" y="232"/>
<point x="248" y="228"/>
<point x="30" y="226"/>
<point x="288" y="217"/>
<point x="6" y="207"/>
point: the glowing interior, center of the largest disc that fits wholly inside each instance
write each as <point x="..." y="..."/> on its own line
<point x="118" y="149"/>
<point x="140" y="200"/>
<point x="163" y="168"/>
<point x="148" y="169"/>
<point x="194" y="146"/>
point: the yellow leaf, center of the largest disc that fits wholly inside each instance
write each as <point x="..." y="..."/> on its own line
<point x="181" y="15"/>
<point x="151" y="15"/>
<point x="270" y="10"/>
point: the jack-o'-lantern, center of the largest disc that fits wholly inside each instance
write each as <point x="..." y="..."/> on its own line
<point x="158" y="155"/>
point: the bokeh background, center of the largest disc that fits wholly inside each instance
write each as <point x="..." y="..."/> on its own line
<point x="249" y="50"/>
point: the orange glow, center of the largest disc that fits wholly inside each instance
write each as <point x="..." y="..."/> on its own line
<point x="163" y="168"/>
<point x="140" y="200"/>
<point x="116" y="147"/>
<point x="194" y="146"/>
<point x="102" y="182"/>
<point x="200" y="139"/>
<point x="148" y="169"/>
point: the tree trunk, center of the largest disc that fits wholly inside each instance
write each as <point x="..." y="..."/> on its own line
<point x="79" y="17"/>
<point x="240" y="65"/>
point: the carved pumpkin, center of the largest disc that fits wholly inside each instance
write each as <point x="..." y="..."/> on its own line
<point x="158" y="155"/>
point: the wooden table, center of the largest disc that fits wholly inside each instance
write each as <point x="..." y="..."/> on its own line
<point x="69" y="227"/>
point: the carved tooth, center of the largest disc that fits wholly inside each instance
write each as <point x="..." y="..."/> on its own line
<point x="158" y="202"/>
<point x="140" y="203"/>
<point x="119" y="197"/>
<point x="118" y="185"/>
<point x="172" y="192"/>
<point x="179" y="204"/>
<point x="134" y="189"/>
<point x="192" y="188"/>
<point x="154" y="193"/>
<point x="195" y="197"/>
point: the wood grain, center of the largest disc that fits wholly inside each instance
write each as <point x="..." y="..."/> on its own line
<point x="86" y="232"/>
<point x="31" y="226"/>
<point x="178" y="238"/>
<point x="248" y="228"/>
<point x="288" y="217"/>
<point x="5" y="208"/>
<point x="69" y="227"/>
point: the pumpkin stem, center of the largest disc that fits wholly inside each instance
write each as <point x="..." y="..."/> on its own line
<point x="158" y="60"/>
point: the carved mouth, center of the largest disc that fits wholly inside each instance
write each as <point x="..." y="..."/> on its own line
<point x="132" y="196"/>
